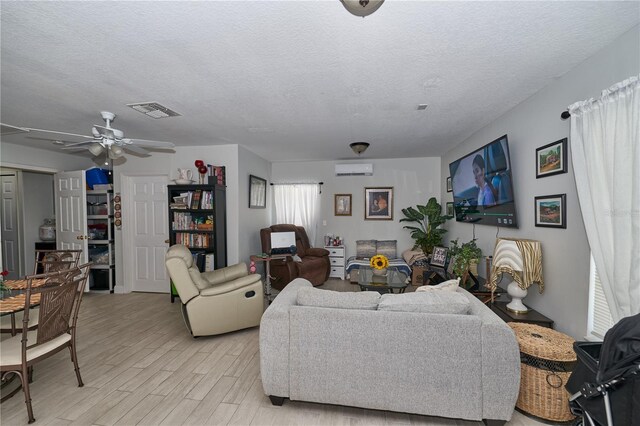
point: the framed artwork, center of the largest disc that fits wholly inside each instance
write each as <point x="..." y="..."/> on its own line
<point x="551" y="159"/>
<point x="342" y="205"/>
<point x="450" y="210"/>
<point x="378" y="203"/>
<point x="257" y="192"/>
<point x="439" y="256"/>
<point x="449" y="188"/>
<point x="551" y="211"/>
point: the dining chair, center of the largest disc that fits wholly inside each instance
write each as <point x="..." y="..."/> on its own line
<point x="55" y="260"/>
<point x="47" y="261"/>
<point x="59" y="302"/>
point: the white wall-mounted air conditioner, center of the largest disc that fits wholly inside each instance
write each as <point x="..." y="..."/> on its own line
<point x="356" y="169"/>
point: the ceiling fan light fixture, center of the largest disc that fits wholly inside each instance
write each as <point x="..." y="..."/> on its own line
<point x="115" y="152"/>
<point x="361" y="7"/>
<point x="359" y="147"/>
<point x="96" y="149"/>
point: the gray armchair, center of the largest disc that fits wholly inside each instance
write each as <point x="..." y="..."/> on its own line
<point x="215" y="302"/>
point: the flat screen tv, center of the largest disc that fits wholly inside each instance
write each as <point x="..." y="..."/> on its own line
<point x="482" y="186"/>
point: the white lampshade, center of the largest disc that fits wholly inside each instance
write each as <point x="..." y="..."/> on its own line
<point x="96" y="149"/>
<point x="362" y="7"/>
<point x="507" y="255"/>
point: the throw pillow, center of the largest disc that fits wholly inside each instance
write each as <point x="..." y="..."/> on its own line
<point x="309" y="296"/>
<point x="387" y="248"/>
<point x="365" y="248"/>
<point x="432" y="302"/>
<point x="451" y="285"/>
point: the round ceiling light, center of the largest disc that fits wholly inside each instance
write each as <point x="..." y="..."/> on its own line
<point x="359" y="147"/>
<point x="361" y="7"/>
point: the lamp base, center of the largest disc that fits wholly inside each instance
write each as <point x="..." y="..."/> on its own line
<point x="517" y="294"/>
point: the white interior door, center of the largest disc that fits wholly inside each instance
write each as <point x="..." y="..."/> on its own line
<point x="71" y="212"/>
<point x="10" y="226"/>
<point x="147" y="229"/>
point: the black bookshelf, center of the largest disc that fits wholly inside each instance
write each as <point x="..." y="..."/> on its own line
<point x="198" y="220"/>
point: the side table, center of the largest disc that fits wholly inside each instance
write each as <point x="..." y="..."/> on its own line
<point x="267" y="270"/>
<point x="531" y="317"/>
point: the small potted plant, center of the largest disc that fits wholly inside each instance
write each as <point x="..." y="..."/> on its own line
<point x="427" y="234"/>
<point x="4" y="288"/>
<point x="379" y="264"/>
<point x="467" y="256"/>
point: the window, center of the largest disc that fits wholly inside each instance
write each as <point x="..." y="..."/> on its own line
<point x="599" y="314"/>
<point x="298" y="204"/>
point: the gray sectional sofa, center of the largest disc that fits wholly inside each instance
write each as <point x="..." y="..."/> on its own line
<point x="377" y="352"/>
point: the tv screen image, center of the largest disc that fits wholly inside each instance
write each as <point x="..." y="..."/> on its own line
<point x="483" y="187"/>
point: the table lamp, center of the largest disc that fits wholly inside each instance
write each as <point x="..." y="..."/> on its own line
<point x="522" y="259"/>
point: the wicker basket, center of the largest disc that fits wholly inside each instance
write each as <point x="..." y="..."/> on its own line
<point x="547" y="359"/>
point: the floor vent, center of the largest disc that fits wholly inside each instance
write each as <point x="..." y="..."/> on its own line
<point x="154" y="110"/>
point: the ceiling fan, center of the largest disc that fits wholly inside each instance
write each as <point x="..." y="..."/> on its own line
<point x="106" y="138"/>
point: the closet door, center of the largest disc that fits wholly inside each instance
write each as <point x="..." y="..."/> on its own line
<point x="10" y="225"/>
<point x="71" y="212"/>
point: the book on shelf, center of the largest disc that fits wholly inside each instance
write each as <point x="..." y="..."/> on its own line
<point x="209" y="265"/>
<point x="217" y="175"/>
<point x="193" y="240"/>
<point x="195" y="200"/>
<point x="189" y="221"/>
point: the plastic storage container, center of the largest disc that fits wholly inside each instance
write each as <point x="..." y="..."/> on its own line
<point x="96" y="176"/>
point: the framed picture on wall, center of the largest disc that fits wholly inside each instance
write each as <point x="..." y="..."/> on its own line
<point x="551" y="159"/>
<point x="449" y="188"/>
<point x="342" y="205"/>
<point x="257" y="192"/>
<point x="450" y="210"/>
<point x="378" y="203"/>
<point x="551" y="211"/>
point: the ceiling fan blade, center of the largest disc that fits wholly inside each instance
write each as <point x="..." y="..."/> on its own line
<point x="80" y="143"/>
<point x="106" y="131"/>
<point x="58" y="133"/>
<point x="144" y="142"/>
<point x="75" y="148"/>
<point x="135" y="149"/>
<point x="51" y="140"/>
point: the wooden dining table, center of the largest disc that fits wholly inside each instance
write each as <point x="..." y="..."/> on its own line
<point x="10" y="305"/>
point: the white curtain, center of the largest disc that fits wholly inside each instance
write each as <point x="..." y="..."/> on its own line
<point x="605" y="146"/>
<point x="298" y="204"/>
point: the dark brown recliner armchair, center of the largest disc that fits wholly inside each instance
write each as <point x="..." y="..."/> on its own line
<point x="315" y="265"/>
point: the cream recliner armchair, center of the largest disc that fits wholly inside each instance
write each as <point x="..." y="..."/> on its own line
<point x="216" y="302"/>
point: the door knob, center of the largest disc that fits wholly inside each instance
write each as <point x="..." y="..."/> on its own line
<point x="166" y="241"/>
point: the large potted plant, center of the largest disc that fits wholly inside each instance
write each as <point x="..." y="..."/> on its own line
<point x="465" y="257"/>
<point x="428" y="218"/>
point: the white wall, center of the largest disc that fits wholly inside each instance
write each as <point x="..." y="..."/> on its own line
<point x="534" y="123"/>
<point x="28" y="158"/>
<point x="414" y="181"/>
<point x="37" y="206"/>
<point x="168" y="164"/>
<point x="251" y="220"/>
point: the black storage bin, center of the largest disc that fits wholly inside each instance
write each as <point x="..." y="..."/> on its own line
<point x="99" y="279"/>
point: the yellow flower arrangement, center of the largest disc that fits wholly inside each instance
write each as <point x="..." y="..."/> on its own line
<point x="379" y="261"/>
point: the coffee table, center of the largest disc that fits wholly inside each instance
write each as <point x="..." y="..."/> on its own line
<point x="390" y="282"/>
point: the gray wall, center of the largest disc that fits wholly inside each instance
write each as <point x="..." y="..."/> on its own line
<point x="414" y="181"/>
<point x="251" y="220"/>
<point x="534" y="123"/>
<point x="168" y="163"/>
<point x="37" y="206"/>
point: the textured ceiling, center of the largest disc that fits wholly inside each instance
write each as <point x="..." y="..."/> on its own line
<point x="296" y="80"/>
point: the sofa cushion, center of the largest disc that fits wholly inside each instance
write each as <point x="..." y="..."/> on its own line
<point x="339" y="300"/>
<point x="365" y="248"/>
<point x="433" y="302"/>
<point x="450" y="285"/>
<point x="387" y="248"/>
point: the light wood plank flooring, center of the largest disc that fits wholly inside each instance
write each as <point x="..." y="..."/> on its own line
<point x="140" y="366"/>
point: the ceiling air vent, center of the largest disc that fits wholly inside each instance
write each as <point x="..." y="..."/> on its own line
<point x="5" y="129"/>
<point x="153" y="110"/>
